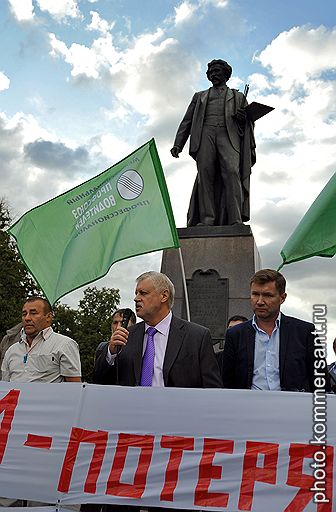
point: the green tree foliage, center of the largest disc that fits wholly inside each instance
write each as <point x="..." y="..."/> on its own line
<point x="65" y="320"/>
<point x="90" y="324"/>
<point x="15" y="282"/>
<point x="94" y="319"/>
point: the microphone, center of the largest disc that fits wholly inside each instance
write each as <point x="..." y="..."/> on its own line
<point x="125" y="321"/>
<point x="126" y="317"/>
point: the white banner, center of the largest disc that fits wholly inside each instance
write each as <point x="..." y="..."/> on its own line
<point x="209" y="449"/>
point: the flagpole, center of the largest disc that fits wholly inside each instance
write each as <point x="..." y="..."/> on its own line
<point x="184" y="284"/>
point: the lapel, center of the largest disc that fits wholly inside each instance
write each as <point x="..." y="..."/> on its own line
<point x="250" y="349"/>
<point x="284" y="337"/>
<point x="175" y="339"/>
<point x="137" y="347"/>
<point x="200" y="112"/>
<point x="204" y="96"/>
<point x="230" y="107"/>
<point x="229" y="94"/>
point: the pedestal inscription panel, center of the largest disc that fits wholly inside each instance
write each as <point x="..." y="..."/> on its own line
<point x="208" y="301"/>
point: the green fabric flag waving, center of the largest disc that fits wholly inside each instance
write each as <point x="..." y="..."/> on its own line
<point x="74" y="238"/>
<point x="316" y="233"/>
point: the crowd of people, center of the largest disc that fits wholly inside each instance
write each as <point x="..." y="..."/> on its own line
<point x="271" y="351"/>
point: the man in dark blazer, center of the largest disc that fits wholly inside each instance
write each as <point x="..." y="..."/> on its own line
<point x="272" y="351"/>
<point x="188" y="359"/>
<point x="183" y="352"/>
<point x="222" y="143"/>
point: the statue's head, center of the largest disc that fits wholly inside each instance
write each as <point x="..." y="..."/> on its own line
<point x="227" y="69"/>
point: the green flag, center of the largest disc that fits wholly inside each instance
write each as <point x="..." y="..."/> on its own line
<point x="316" y="233"/>
<point x="74" y="238"/>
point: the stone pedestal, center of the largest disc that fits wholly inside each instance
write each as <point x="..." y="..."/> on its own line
<point x="218" y="262"/>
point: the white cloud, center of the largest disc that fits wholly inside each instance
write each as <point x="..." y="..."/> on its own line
<point x="99" y="24"/>
<point x="216" y="3"/>
<point x="86" y="61"/>
<point x="145" y="73"/>
<point x="259" y="82"/>
<point x="37" y="166"/>
<point x="27" y="125"/>
<point x="109" y="146"/>
<point x="299" y="54"/>
<point x="143" y="77"/>
<point x="184" y="11"/>
<point x="236" y="83"/>
<point x="23" y="10"/>
<point x="4" y="81"/>
<point x="60" y="9"/>
<point x="296" y="140"/>
<point x="120" y="112"/>
<point x="18" y="177"/>
<point x="295" y="154"/>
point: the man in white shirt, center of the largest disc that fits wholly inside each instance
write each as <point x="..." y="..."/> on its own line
<point x="41" y="355"/>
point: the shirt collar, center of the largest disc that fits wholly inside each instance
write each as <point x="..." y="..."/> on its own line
<point x="163" y="326"/>
<point x="257" y="328"/>
<point x="45" y="334"/>
<point x="220" y="88"/>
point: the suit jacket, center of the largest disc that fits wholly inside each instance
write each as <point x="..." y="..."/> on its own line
<point x="242" y="142"/>
<point x="296" y="356"/>
<point x="189" y="359"/>
<point x="193" y="120"/>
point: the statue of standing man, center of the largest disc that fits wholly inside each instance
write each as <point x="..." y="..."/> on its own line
<point x="222" y="143"/>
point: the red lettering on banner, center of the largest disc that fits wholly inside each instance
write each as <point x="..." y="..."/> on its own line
<point x="207" y="472"/>
<point x="297" y="454"/>
<point x="135" y="490"/>
<point x="252" y="473"/>
<point x="177" y="445"/>
<point x="79" y="435"/>
<point x="34" y="441"/>
<point x="7" y="405"/>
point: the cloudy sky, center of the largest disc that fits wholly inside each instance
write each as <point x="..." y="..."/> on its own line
<point x="85" y="82"/>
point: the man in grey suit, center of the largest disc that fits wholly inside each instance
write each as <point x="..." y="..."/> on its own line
<point x="182" y="354"/>
<point x="222" y="143"/>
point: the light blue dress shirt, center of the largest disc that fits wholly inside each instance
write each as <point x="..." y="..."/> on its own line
<point x="266" y="375"/>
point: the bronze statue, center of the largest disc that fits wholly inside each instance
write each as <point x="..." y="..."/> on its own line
<point x="222" y="143"/>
